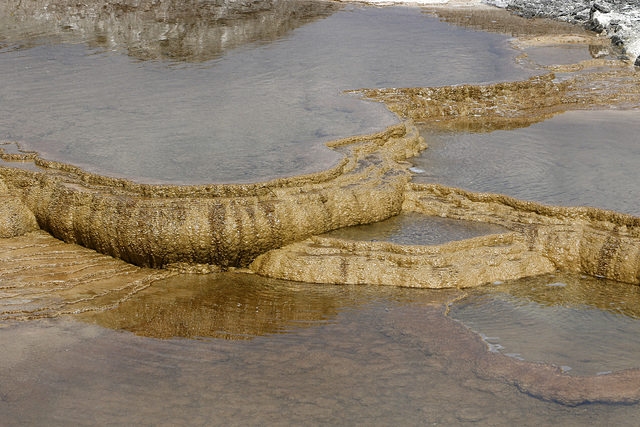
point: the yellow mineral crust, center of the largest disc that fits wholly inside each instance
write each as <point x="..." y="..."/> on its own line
<point x="15" y="218"/>
<point x="544" y="239"/>
<point x="511" y="105"/>
<point x="223" y="225"/>
<point x="461" y="264"/>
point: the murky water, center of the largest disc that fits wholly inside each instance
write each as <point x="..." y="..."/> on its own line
<point x="255" y="112"/>
<point x="355" y="361"/>
<point x="584" y="324"/>
<point x="579" y="158"/>
<point x="412" y="228"/>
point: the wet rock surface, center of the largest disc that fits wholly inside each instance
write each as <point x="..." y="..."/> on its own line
<point x="216" y="227"/>
<point x="617" y="19"/>
<point x="223" y="225"/>
<point x="41" y="276"/>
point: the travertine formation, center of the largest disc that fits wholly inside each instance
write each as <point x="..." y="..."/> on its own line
<point x="41" y="276"/>
<point x="272" y="226"/>
<point x="544" y="238"/>
<point x="512" y="105"/>
<point x="223" y="225"/>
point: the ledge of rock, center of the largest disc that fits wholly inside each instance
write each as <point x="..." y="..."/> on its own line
<point x="222" y="225"/>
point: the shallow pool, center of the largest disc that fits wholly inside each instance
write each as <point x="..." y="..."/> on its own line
<point x="256" y="110"/>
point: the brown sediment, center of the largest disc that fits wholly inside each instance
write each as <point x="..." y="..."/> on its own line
<point x="223" y="225"/>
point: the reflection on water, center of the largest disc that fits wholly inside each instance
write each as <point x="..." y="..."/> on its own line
<point x="178" y="30"/>
<point x="259" y="111"/>
<point x="364" y="366"/>
<point x="579" y="158"/>
<point x="585" y="324"/>
<point x="317" y="354"/>
<point x="231" y="306"/>
<point x="411" y="228"/>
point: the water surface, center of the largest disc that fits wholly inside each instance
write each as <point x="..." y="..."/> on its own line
<point x="256" y="111"/>
<point x="584" y="324"/>
<point x="411" y="228"/>
<point x="578" y="158"/>
<point x="354" y="364"/>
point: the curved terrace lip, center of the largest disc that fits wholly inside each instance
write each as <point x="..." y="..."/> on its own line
<point x="261" y="224"/>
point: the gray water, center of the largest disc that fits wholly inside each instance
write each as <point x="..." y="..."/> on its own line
<point x="254" y="112"/>
<point x="579" y="158"/>
<point x="329" y="355"/>
<point x="586" y="325"/>
<point x="411" y="228"/>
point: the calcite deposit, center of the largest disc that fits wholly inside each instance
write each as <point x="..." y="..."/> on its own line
<point x="544" y="238"/>
<point x="222" y="225"/>
<point x="273" y="227"/>
<point x="40" y="276"/>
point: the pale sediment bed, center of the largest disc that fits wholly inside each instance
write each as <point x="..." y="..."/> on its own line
<point x="218" y="226"/>
<point x="41" y="276"/>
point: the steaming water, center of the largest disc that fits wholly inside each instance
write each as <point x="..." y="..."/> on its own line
<point x="256" y="112"/>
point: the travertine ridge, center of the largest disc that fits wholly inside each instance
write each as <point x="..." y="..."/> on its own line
<point x="222" y="225"/>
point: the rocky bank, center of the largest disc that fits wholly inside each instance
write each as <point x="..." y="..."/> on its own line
<point x="618" y="19"/>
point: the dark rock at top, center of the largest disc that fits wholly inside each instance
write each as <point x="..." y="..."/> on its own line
<point x="601" y="7"/>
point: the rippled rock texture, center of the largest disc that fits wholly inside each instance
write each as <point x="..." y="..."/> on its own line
<point x="223" y="225"/>
<point x="40" y="276"/>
